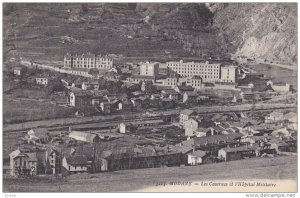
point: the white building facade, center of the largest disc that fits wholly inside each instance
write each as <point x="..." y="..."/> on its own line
<point x="149" y="69"/>
<point x="208" y="72"/>
<point x="228" y="74"/>
<point x="88" y="61"/>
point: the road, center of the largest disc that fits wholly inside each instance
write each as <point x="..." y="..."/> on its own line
<point x="103" y="118"/>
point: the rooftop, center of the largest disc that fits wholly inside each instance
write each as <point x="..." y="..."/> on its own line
<point x="187" y="112"/>
<point x="198" y="153"/>
<point x="85" y="135"/>
<point x="77" y="160"/>
<point x="185" y="88"/>
<point x="142" y="77"/>
<point x="241" y="148"/>
<point x="169" y="91"/>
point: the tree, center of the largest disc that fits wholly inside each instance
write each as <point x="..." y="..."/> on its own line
<point x="56" y="86"/>
<point x="84" y="9"/>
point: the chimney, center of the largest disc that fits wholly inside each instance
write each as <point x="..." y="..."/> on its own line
<point x="193" y="146"/>
<point x="70" y="129"/>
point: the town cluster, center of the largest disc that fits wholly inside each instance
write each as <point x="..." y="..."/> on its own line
<point x="166" y="117"/>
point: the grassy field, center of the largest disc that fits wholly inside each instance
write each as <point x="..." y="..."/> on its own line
<point x="20" y="111"/>
<point x="278" y="168"/>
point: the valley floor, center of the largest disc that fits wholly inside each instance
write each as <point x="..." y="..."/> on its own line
<point x="277" y="168"/>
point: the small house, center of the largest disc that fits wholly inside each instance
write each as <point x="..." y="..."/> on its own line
<point x="105" y="107"/>
<point x="18" y="71"/>
<point x="170" y="94"/>
<point x="75" y="164"/>
<point x="190" y="97"/>
<point x="90" y="86"/>
<point x="183" y="88"/>
<point x="237" y="153"/>
<point x="23" y="163"/>
<point x="280" y="87"/>
<point x="196" y="157"/>
<point x="185" y="115"/>
<point x="125" y="106"/>
<point x="84" y="136"/>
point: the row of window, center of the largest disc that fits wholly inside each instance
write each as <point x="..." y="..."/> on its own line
<point x="24" y="163"/>
<point x="196" y="65"/>
<point x="89" y="59"/>
<point x="92" y="66"/>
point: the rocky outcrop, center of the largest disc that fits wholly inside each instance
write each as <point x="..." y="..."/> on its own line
<point x="259" y="30"/>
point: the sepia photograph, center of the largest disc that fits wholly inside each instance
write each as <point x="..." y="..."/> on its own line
<point x="149" y="97"/>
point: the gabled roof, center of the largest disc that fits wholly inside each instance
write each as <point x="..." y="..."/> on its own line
<point x="279" y="83"/>
<point x="77" y="160"/>
<point x="142" y="77"/>
<point x="31" y="157"/>
<point x="241" y="148"/>
<point x="185" y="88"/>
<point x="182" y="149"/>
<point x="18" y="68"/>
<point x="191" y="94"/>
<point x="84" y="136"/>
<point x="216" y="138"/>
<point x="187" y="112"/>
<point x="169" y="91"/>
<point x="198" y="153"/>
<point x="197" y="118"/>
<point x="16" y="153"/>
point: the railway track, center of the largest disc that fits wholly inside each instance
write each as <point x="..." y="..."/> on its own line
<point x="116" y="119"/>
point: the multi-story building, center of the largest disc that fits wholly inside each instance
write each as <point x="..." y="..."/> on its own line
<point x="228" y="74"/>
<point x="149" y="69"/>
<point x="54" y="159"/>
<point x="195" y="82"/>
<point x="88" y="61"/>
<point x="185" y="116"/>
<point x="22" y="163"/>
<point x="208" y="72"/>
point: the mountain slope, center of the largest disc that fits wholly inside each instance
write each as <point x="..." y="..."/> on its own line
<point x="48" y="31"/>
<point x="261" y="30"/>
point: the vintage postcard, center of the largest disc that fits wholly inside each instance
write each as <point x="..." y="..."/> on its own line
<point x="149" y="97"/>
